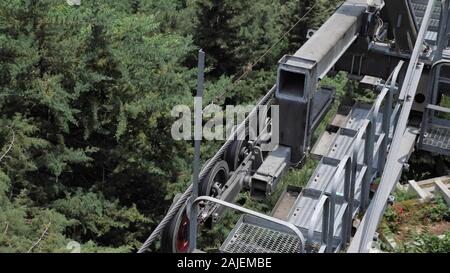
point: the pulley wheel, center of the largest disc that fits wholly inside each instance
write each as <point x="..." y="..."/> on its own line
<point x="215" y="181"/>
<point x="238" y="151"/>
<point x="175" y="237"/>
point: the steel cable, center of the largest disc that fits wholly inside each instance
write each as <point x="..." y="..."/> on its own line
<point x="205" y="171"/>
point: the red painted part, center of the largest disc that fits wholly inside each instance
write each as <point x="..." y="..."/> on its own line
<point x="182" y="241"/>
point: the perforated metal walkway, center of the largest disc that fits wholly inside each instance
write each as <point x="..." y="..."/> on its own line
<point x="251" y="236"/>
<point x="419" y="7"/>
<point x="437" y="138"/>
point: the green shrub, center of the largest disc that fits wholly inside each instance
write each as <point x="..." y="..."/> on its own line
<point x="438" y="210"/>
<point x="427" y="243"/>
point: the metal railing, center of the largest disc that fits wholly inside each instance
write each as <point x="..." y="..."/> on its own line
<point x="369" y="130"/>
<point x="322" y="207"/>
<point x="388" y="94"/>
<point x="348" y="168"/>
<point x="193" y="217"/>
<point x="429" y="115"/>
<point x="393" y="167"/>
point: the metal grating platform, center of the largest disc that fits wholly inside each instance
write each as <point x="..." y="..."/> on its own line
<point x="438" y="137"/>
<point x="419" y="7"/>
<point x="251" y="235"/>
<point x="255" y="239"/>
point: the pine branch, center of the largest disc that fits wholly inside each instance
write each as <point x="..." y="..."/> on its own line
<point x="40" y="238"/>
<point x="10" y="145"/>
<point x="6" y="229"/>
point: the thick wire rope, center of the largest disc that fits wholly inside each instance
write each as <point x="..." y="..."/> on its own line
<point x="205" y="170"/>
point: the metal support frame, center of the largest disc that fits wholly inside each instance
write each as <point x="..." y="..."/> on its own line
<point x="443" y="36"/>
<point x="298" y="74"/>
<point x="198" y="105"/>
<point x="391" y="173"/>
<point x="335" y="36"/>
<point x="386" y="125"/>
<point x="414" y="59"/>
<point x="394" y="166"/>
<point x="344" y="169"/>
<point x="322" y="207"/>
<point x="388" y="93"/>
<point x="369" y="130"/>
<point x="403" y="25"/>
<point x="296" y="83"/>
<point x="327" y="205"/>
<point x="266" y="178"/>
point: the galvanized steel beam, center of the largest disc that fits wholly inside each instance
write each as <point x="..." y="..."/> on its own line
<point x="395" y="161"/>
